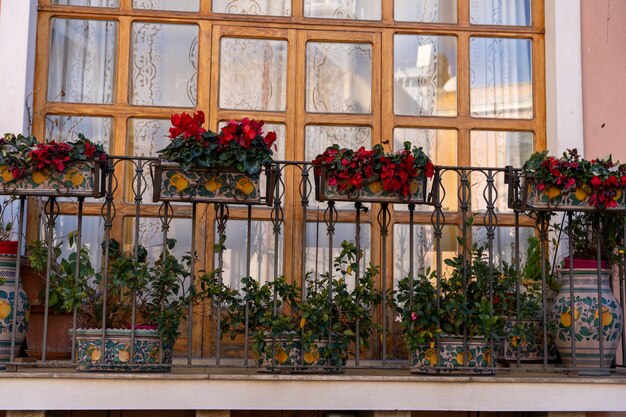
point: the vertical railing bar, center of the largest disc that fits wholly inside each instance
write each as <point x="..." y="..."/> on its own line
<point x="517" y="287"/>
<point x="623" y="292"/>
<point x="411" y="261"/>
<point x="277" y="219"/>
<point x="192" y="281"/>
<point x="18" y="272"/>
<point x="438" y="228"/>
<point x="599" y="275"/>
<point x="108" y="224"/>
<point x="384" y="229"/>
<point x="570" y="233"/>
<point x="221" y="226"/>
<point x="357" y="277"/>
<point x="304" y="201"/>
<point x="138" y="201"/>
<point x="166" y="227"/>
<point x="330" y="216"/>
<point x="77" y="277"/>
<point x="464" y="210"/>
<point x="543" y="238"/>
<point x="51" y="222"/>
<point x="490" y="239"/>
<point x="246" y="336"/>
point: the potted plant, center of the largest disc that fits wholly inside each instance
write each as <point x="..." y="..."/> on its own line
<point x="162" y="295"/>
<point x="200" y="165"/>
<point x="69" y="169"/>
<point x="434" y="328"/>
<point x="372" y="175"/>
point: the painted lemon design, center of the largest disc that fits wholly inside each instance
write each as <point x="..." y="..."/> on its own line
<point x="123" y="356"/>
<point x="5" y="174"/>
<point x="27" y="316"/>
<point x="245" y="186"/>
<point x="566" y="318"/>
<point x="415" y="185"/>
<point x="552" y="192"/>
<point x="302" y="322"/>
<point x="607" y="316"/>
<point x="487" y="358"/>
<point x="375" y="187"/>
<point x="460" y="359"/>
<point x="618" y="195"/>
<point x="5" y="309"/>
<point x="39" y="177"/>
<point x="74" y="176"/>
<point x="580" y="194"/>
<point x="431" y="356"/>
<point x="96" y="354"/>
<point x="311" y="357"/>
<point x="212" y="185"/>
<point x="179" y="182"/>
<point x="514" y="341"/>
<point x="281" y="356"/>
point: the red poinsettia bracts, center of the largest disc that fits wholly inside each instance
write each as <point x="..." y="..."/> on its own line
<point x="190" y="127"/>
<point x="51" y="154"/>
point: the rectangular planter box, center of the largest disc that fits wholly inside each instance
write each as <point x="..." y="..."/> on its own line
<point x="371" y="192"/>
<point x="205" y="185"/>
<point x="78" y="179"/>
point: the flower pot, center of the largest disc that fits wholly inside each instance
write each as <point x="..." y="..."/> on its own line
<point x="78" y="179"/>
<point x="451" y="358"/>
<point x="150" y="355"/>
<point x="59" y="343"/>
<point x="206" y="185"/>
<point x="529" y="348"/>
<point x="8" y="306"/>
<point x="586" y="321"/>
<point x="281" y="352"/>
<point x="551" y="198"/>
<point x="8" y="247"/>
<point x="371" y="191"/>
<point x="34" y="285"/>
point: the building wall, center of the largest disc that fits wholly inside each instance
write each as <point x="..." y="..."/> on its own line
<point x="604" y="77"/>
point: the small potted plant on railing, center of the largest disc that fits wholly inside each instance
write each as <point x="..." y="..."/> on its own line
<point x="69" y="169"/>
<point x="162" y="294"/>
<point x="372" y="175"/>
<point x="434" y="329"/>
<point x="200" y="165"/>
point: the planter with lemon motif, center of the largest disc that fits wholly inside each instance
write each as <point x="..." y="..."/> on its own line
<point x="204" y="185"/>
<point x="8" y="306"/>
<point x="451" y="358"/>
<point x="529" y="347"/>
<point x="78" y="179"/>
<point x="371" y="191"/>
<point x="586" y="321"/>
<point x="551" y="198"/>
<point x="282" y="352"/>
<point x="149" y="354"/>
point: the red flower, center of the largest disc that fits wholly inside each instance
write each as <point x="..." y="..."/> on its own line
<point x="596" y="181"/>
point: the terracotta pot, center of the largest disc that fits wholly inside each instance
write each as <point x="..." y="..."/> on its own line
<point x="59" y="343"/>
<point x="34" y="285"/>
<point x="8" y="247"/>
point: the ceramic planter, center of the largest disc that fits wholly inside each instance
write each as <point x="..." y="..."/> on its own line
<point x="529" y="348"/>
<point x="586" y="320"/>
<point x="8" y="307"/>
<point x="205" y="185"/>
<point x="451" y="358"/>
<point x="281" y="352"/>
<point x="551" y="198"/>
<point x="371" y="192"/>
<point x="150" y="355"/>
<point x="78" y="179"/>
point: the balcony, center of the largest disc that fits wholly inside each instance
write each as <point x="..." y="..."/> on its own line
<point x="466" y="219"/>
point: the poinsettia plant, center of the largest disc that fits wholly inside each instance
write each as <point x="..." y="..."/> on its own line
<point x="23" y="154"/>
<point x="239" y="145"/>
<point x="350" y="170"/>
<point x="601" y="180"/>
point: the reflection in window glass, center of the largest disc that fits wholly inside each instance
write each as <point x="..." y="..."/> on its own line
<point x="82" y="61"/>
<point x="338" y="78"/>
<point x="500" y="12"/>
<point x="504" y="243"/>
<point x="253" y="74"/>
<point x="424" y="249"/>
<point x="151" y="236"/>
<point x="501" y="78"/>
<point x="92" y="236"/>
<point x="174" y="5"/>
<point x="317" y="250"/>
<point x="262" y="252"/>
<point x="253" y="7"/>
<point x="66" y="128"/>
<point x="164" y="65"/>
<point x="87" y="3"/>
<point x="497" y="149"/>
<point x="424" y="75"/>
<point x="441" y="146"/>
<point x="427" y="11"/>
<point x="343" y="9"/>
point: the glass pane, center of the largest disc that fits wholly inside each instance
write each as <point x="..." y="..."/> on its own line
<point x="281" y="138"/>
<point x="496" y="149"/>
<point x="66" y="128"/>
<point x="428" y="11"/>
<point x="253" y="7"/>
<point x="87" y="3"/>
<point x="501" y="78"/>
<point x="92" y="236"/>
<point x="424" y="80"/>
<point x="253" y="74"/>
<point x="317" y="254"/>
<point x="424" y="249"/>
<point x="441" y="146"/>
<point x="82" y="61"/>
<point x="504" y="242"/>
<point x="343" y="9"/>
<point x="261" y="252"/>
<point x="338" y="78"/>
<point x="164" y="65"/>
<point x="175" y="5"/>
<point x="151" y="236"/>
<point x="500" y="12"/>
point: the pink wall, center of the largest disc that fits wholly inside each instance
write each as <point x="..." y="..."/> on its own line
<point x="604" y="77"/>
